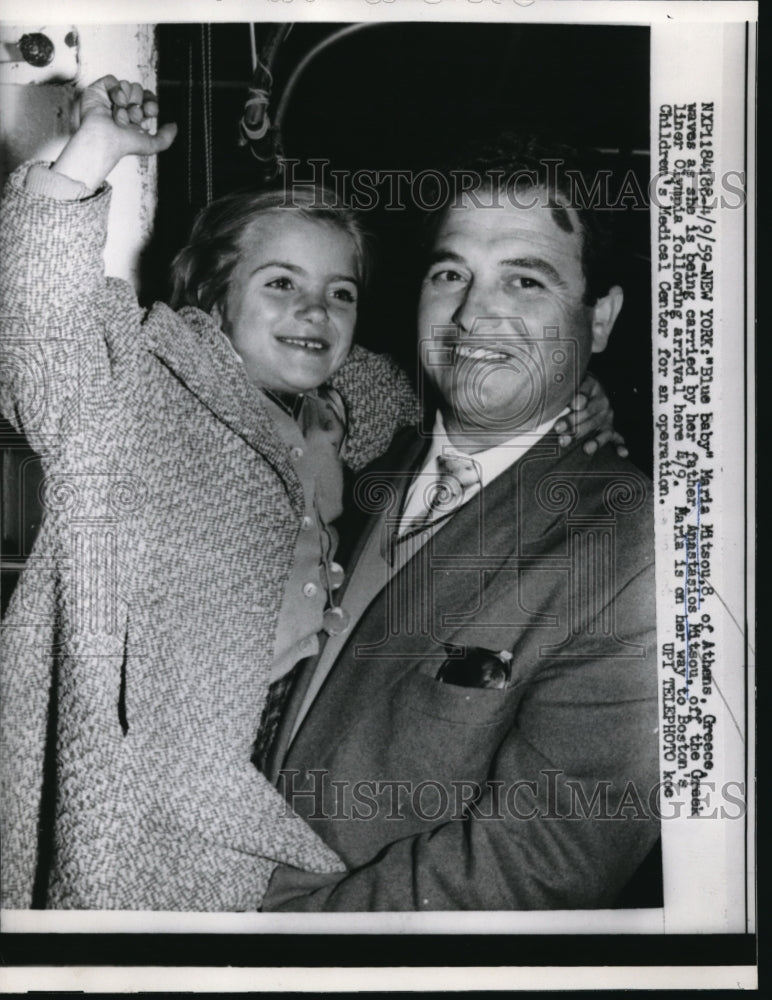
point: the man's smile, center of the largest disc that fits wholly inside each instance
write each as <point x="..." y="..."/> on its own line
<point x="476" y="352"/>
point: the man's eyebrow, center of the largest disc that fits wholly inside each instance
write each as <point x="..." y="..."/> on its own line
<point x="537" y="264"/>
<point x="440" y="255"/>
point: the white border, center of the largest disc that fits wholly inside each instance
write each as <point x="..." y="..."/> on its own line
<point x="100" y="979"/>
<point x="672" y="14"/>
<point x="524" y="11"/>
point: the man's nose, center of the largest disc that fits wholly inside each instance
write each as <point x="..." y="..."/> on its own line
<point x="484" y="313"/>
<point x="475" y="305"/>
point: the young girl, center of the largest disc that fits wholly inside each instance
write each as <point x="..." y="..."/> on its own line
<point x="192" y="470"/>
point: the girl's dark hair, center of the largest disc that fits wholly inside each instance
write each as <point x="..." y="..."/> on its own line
<point x="201" y="271"/>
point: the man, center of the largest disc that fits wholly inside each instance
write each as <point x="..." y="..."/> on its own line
<point x="483" y="734"/>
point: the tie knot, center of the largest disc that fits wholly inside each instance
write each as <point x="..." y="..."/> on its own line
<point x="460" y="467"/>
<point x="457" y="473"/>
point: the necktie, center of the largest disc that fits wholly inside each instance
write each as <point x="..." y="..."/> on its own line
<point x="441" y="495"/>
<point x="456" y="475"/>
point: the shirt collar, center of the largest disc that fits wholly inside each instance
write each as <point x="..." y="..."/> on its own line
<point x="492" y="461"/>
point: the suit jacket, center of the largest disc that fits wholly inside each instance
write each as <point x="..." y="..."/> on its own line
<point x="536" y="796"/>
<point x="135" y="656"/>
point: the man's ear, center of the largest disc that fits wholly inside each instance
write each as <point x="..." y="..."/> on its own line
<point x="604" y="315"/>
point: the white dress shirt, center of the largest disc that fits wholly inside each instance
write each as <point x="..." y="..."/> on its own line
<point x="490" y="463"/>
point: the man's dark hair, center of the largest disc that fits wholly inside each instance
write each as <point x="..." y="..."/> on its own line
<point x="515" y="165"/>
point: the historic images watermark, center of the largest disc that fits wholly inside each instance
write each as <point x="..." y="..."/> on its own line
<point x="554" y="796"/>
<point x="395" y="190"/>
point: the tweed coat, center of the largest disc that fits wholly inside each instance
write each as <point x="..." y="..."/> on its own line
<point x="539" y="795"/>
<point x="137" y="646"/>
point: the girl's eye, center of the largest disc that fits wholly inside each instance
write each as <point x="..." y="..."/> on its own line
<point x="284" y="284"/>
<point x="345" y="295"/>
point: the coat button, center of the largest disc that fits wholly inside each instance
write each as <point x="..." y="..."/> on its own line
<point x="335" y="574"/>
<point x="305" y="524"/>
<point x="309" y="589"/>
<point x="336" y="621"/>
<point x="296" y="452"/>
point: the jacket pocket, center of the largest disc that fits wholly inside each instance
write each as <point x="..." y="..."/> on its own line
<point x="422" y="694"/>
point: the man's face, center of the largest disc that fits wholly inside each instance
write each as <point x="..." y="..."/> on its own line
<point x="505" y="334"/>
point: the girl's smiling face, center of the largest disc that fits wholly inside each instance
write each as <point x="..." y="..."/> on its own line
<point x="291" y="304"/>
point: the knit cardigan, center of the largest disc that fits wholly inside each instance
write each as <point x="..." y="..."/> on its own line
<point x="135" y="654"/>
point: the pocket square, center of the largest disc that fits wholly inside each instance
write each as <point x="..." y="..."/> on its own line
<point x="479" y="668"/>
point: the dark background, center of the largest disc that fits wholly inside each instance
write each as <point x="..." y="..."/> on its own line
<point x="393" y="97"/>
<point x="408" y="97"/>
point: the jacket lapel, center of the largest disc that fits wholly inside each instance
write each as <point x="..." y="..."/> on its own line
<point x="192" y="346"/>
<point x="491" y="531"/>
<point x="389" y="478"/>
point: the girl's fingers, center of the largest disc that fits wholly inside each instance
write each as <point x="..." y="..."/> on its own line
<point x="132" y="104"/>
<point x="590" y="385"/>
<point x="117" y="97"/>
<point x="618" y="440"/>
<point x="596" y="406"/>
<point x="580" y="400"/>
<point x="120" y="95"/>
<point x="127" y="95"/>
